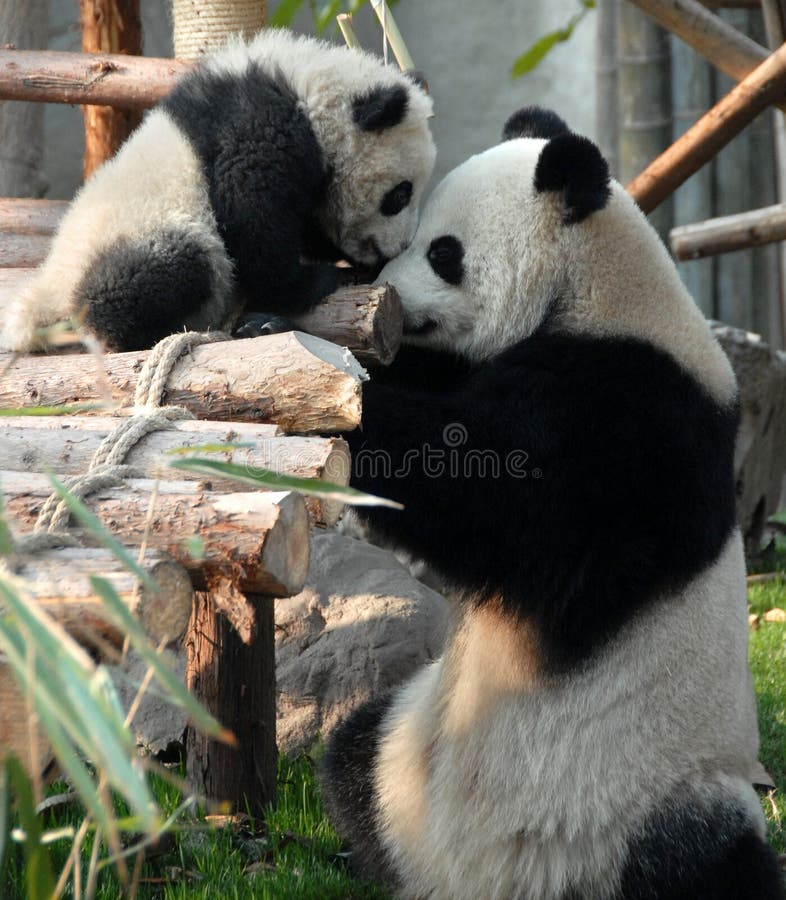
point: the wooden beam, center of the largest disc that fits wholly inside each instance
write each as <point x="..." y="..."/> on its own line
<point x="25" y="216"/>
<point x="59" y="581"/>
<point x="125" y="82"/>
<point x="66" y="446"/>
<point x="114" y="27"/>
<point x="295" y="380"/>
<point x="717" y="41"/>
<point x="711" y="133"/>
<point x="257" y="540"/>
<point x="729" y="233"/>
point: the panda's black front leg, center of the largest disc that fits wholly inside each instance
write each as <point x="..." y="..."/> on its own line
<point x="259" y="324"/>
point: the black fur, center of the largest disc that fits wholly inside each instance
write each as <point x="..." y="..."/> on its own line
<point x="574" y="165"/>
<point x="380" y="108"/>
<point x="533" y="122"/>
<point x="266" y="175"/>
<point x="136" y="293"/>
<point x="628" y="490"/>
<point x="701" y="854"/>
<point x="347" y="774"/>
<point x="446" y="258"/>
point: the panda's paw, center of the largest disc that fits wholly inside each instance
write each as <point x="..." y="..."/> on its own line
<point x="259" y="324"/>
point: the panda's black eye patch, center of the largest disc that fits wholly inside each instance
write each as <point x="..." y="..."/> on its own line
<point x="446" y="258"/>
<point x="396" y="199"/>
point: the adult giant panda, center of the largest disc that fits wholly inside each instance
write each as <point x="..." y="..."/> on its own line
<point x="561" y="431"/>
<point x="266" y="151"/>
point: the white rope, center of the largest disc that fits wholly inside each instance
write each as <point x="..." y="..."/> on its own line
<point x="106" y="468"/>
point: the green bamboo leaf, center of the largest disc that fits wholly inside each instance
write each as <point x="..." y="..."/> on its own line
<point x="176" y="691"/>
<point x="325" y="14"/>
<point x="38" y="866"/>
<point x="285" y="13"/>
<point x="89" y="521"/>
<point x="65" y="410"/>
<point x="209" y="448"/>
<point x="312" y="487"/>
<point x="534" y="54"/>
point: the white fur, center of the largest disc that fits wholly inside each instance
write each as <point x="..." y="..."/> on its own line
<point x="156" y="180"/>
<point x="494" y="782"/>
<point x="612" y="271"/>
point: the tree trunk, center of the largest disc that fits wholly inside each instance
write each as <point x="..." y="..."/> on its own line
<point x="237" y="683"/>
<point x="108" y="26"/>
<point x="24" y="24"/>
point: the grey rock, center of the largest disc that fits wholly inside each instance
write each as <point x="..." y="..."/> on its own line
<point x="760" y="456"/>
<point x="361" y="626"/>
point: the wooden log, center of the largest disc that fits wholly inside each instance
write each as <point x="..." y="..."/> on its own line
<point x="114" y="27"/>
<point x="712" y="132"/>
<point x="729" y="233"/>
<point x="108" y="79"/>
<point x="21" y="251"/>
<point x="300" y="382"/>
<point x="717" y="41"/>
<point x="26" y="216"/>
<point x="237" y="683"/>
<point x="256" y="540"/>
<point x="59" y="580"/>
<point x="66" y="446"/>
<point x="367" y="320"/>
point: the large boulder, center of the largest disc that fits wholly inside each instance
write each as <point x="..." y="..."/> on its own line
<point x="360" y="627"/>
<point x="760" y="456"/>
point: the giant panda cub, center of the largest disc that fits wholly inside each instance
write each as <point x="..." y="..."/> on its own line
<point x="266" y="152"/>
<point x="561" y="430"/>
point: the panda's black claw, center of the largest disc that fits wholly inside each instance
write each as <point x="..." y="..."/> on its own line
<point x="259" y="324"/>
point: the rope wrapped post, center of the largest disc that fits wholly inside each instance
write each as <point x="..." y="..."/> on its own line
<point x="202" y="27"/>
<point x="108" y="27"/>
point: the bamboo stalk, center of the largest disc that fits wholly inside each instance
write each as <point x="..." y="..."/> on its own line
<point x="728" y="233"/>
<point x="347" y="30"/>
<point x="125" y="82"/>
<point x="393" y="35"/>
<point x="716" y="40"/>
<point x="712" y="132"/>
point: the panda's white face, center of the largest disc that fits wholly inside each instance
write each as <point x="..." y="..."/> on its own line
<point x="371" y="208"/>
<point x="481" y="271"/>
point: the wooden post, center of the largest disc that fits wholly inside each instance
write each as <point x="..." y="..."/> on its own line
<point x="237" y="683"/>
<point x="692" y="96"/>
<point x="712" y="132"/>
<point x="108" y="26"/>
<point x="607" y="124"/>
<point x="645" y="98"/>
<point x="23" y="23"/>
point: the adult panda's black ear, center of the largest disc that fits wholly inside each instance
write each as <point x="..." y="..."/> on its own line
<point x="574" y="166"/>
<point x="384" y="106"/>
<point x="533" y="122"/>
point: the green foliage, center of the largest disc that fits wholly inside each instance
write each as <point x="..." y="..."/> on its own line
<point x="532" y="56"/>
<point x="324" y="12"/>
<point x="265" y="478"/>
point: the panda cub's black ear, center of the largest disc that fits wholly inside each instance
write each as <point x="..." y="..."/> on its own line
<point x="382" y="107"/>
<point x="573" y="165"/>
<point x="533" y="122"/>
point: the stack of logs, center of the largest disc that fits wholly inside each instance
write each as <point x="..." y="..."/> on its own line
<point x="219" y="549"/>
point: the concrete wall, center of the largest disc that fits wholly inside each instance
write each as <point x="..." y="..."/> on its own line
<point x="465" y="47"/>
